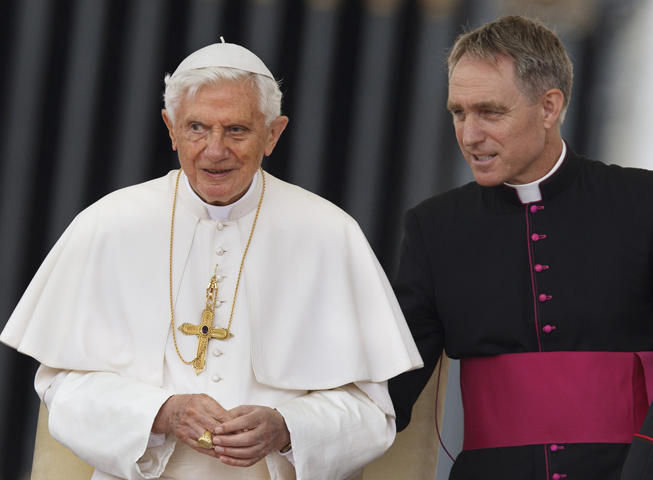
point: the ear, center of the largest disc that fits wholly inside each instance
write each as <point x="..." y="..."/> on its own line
<point x="552" y="102"/>
<point x="168" y="122"/>
<point x="276" y="129"/>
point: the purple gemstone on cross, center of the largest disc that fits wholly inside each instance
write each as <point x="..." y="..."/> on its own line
<point x="205" y="329"/>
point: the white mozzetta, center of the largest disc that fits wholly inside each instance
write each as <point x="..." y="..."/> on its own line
<point x="322" y="313"/>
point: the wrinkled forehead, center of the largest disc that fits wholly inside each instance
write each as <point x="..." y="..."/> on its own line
<point x="224" y="99"/>
<point x="479" y="80"/>
<point x="472" y="70"/>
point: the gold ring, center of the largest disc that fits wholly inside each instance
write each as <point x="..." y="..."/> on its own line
<point x="206" y="440"/>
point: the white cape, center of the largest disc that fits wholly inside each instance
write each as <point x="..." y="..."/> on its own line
<point x="322" y="313"/>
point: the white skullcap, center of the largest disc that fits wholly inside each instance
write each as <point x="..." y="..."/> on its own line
<point x="223" y="55"/>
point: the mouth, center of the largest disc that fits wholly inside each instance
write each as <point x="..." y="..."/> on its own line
<point x="214" y="172"/>
<point x="483" y="158"/>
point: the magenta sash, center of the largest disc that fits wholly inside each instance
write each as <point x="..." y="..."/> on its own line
<point x="554" y="397"/>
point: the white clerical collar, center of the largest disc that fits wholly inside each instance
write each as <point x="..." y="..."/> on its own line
<point x="530" y="192"/>
<point x="217" y="212"/>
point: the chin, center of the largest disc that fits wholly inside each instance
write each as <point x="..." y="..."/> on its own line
<point x="488" y="182"/>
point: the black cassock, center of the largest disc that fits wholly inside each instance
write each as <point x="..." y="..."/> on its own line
<point x="466" y="283"/>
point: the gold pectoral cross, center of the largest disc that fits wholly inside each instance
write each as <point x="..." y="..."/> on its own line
<point x="205" y="330"/>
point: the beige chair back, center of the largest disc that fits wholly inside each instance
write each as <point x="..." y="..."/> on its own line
<point x="53" y="461"/>
<point x="414" y="454"/>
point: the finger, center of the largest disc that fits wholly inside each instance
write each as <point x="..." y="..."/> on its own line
<point x="192" y="441"/>
<point x="243" y="423"/>
<point x="241" y="453"/>
<point x="243" y="439"/>
<point x="206" y="451"/>
<point x="192" y="427"/>
<point x="241" y="410"/>
<point x="191" y="437"/>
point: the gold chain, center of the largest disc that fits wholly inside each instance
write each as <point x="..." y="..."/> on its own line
<point x="240" y="271"/>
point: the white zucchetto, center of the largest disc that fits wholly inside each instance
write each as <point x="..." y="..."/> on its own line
<point x="223" y="55"/>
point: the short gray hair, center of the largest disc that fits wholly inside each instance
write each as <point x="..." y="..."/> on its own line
<point x="540" y="60"/>
<point x="189" y="82"/>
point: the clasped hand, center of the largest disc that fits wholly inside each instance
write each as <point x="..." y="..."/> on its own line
<point x="242" y="436"/>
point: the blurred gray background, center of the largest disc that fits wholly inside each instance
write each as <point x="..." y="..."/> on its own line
<point x="365" y="89"/>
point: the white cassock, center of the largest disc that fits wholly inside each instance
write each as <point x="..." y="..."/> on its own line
<point x="317" y="331"/>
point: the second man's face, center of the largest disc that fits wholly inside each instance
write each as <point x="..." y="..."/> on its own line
<point x="501" y="135"/>
<point x="221" y="137"/>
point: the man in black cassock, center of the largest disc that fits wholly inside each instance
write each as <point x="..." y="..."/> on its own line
<point x="538" y="276"/>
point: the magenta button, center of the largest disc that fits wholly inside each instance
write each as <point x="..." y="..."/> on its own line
<point x="558" y="476"/>
<point x="539" y="268"/>
<point x="548" y="328"/>
<point x="555" y="448"/>
<point x="535" y="208"/>
<point x="543" y="297"/>
<point x="535" y="237"/>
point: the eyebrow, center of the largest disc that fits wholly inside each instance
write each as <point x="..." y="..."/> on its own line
<point x="478" y="106"/>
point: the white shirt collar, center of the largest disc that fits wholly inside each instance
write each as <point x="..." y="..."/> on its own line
<point x="221" y="212"/>
<point x="530" y="192"/>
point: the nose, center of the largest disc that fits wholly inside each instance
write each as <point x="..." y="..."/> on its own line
<point x="472" y="131"/>
<point x="216" y="148"/>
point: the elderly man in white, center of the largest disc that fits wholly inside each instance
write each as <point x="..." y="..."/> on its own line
<point x="149" y="373"/>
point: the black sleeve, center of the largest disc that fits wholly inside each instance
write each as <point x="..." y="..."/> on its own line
<point x="413" y="286"/>
<point x="639" y="463"/>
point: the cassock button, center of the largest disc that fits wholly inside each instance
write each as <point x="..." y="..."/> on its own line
<point x="220" y="251"/>
<point x="548" y="328"/>
<point x="217" y="353"/>
<point x="535" y="208"/>
<point x="219" y="278"/>
<point x="558" y="476"/>
<point x="220" y="226"/>
<point x="542" y="298"/>
<point x="535" y="237"/>
<point x="539" y="268"/>
<point x="555" y="448"/>
<point x="216" y="378"/>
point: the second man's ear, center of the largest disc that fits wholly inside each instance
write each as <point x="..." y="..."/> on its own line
<point x="552" y="103"/>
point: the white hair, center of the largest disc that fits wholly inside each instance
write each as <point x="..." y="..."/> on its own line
<point x="189" y="82"/>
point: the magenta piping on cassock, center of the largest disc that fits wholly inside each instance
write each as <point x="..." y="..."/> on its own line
<point x="530" y="262"/>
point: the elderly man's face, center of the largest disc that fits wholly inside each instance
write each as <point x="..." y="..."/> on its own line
<point x="502" y="136"/>
<point x="221" y="137"/>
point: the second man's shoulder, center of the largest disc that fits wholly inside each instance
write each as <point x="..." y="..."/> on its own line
<point x="451" y="202"/>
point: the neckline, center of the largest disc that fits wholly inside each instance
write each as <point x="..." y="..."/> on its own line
<point x="530" y="192"/>
<point x="239" y="210"/>
<point x="558" y="182"/>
